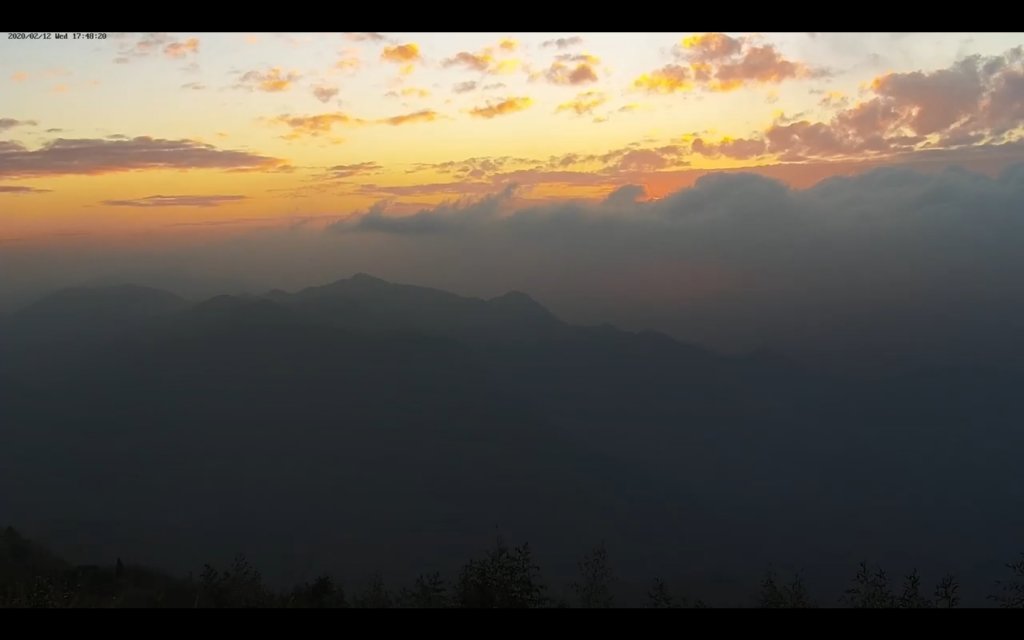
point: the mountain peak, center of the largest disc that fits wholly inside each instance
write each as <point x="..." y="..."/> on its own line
<point x="366" y="278"/>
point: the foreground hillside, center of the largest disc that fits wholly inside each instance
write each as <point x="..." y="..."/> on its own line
<point x="503" y="577"/>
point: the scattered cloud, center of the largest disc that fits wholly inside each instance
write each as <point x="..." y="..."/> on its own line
<point x="563" y="43"/>
<point x="19" y="76"/>
<point x="273" y="80"/>
<point x="979" y="100"/>
<point x="834" y="100"/>
<point x="584" y="103"/>
<point x="572" y="69"/>
<point x="348" y="60"/>
<point x="182" y="48"/>
<point x="668" y="79"/>
<point x="717" y="62"/>
<point x="464" y="87"/>
<point x="742" y="149"/>
<point x="85" y="156"/>
<point x="489" y="60"/>
<point x="175" y="201"/>
<point x="365" y="36"/>
<point x="406" y="55"/>
<point x="425" y="115"/>
<point x="325" y="94"/>
<point x="19" y="189"/>
<point x="152" y="43"/>
<point x="10" y="123"/>
<point x="472" y="168"/>
<point x="450" y="217"/>
<point x="316" y="125"/>
<point x="503" y="107"/>
<point x="342" y="171"/>
<point x="409" y="92"/>
<point x="195" y="86"/>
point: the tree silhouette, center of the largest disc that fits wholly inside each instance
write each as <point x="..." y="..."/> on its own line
<point x="593" y="590"/>
<point x="911" y="597"/>
<point x="1011" y="592"/>
<point x="659" y="597"/>
<point x="791" y="596"/>
<point x="870" y="590"/>
<point x="239" y="586"/>
<point x="947" y="592"/>
<point x="428" y="592"/>
<point x="374" y="596"/>
<point x="323" y="593"/>
<point x="503" y="578"/>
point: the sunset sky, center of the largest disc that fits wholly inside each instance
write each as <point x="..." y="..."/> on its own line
<point x="147" y="131"/>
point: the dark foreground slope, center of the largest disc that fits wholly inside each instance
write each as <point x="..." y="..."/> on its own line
<point x="365" y="426"/>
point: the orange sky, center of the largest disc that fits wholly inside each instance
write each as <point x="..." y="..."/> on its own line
<point x="146" y="132"/>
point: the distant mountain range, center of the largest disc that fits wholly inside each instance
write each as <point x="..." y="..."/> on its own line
<point x="367" y="426"/>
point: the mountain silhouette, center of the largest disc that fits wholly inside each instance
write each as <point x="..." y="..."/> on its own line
<point x="367" y="424"/>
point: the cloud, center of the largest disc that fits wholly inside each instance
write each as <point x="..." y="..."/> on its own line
<point x="10" y="123"/>
<point x="406" y="55"/>
<point x="890" y="259"/>
<point x="584" y="103"/>
<point x="409" y="92"/>
<point x="625" y="195"/>
<point x="742" y="149"/>
<point x="318" y="124"/>
<point x="979" y="100"/>
<point x="175" y="201"/>
<point x="509" y="105"/>
<point x="425" y="115"/>
<point x="643" y="160"/>
<point x="712" y="46"/>
<point x="325" y="94"/>
<point x="146" y="45"/>
<point x="476" y="62"/>
<point x="182" y="49"/>
<point x="473" y="168"/>
<point x="152" y="43"/>
<point x="464" y="87"/>
<point x="488" y="60"/>
<point x="570" y="69"/>
<point x="563" y="43"/>
<point x="668" y="79"/>
<point x="273" y="80"/>
<point x="444" y="218"/>
<point x="342" y="171"/>
<point x="834" y="100"/>
<point x="366" y="36"/>
<point x="195" y="86"/>
<point x="348" y="60"/>
<point x="86" y="156"/>
<point x="19" y="76"/>
<point x="18" y="189"/>
<point x="717" y="62"/>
